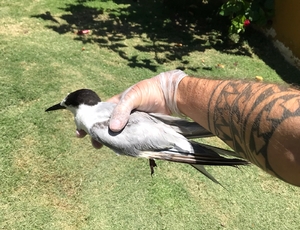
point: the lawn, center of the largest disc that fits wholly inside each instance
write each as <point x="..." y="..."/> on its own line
<point x="52" y="180"/>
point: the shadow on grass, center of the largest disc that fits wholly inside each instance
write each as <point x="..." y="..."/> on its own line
<point x="169" y="29"/>
<point x="265" y="50"/>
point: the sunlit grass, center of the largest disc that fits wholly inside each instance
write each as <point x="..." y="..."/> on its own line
<point x="52" y="180"/>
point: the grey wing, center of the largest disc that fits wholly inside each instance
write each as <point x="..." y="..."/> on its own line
<point x="186" y="128"/>
<point x="148" y="137"/>
<point x="142" y="133"/>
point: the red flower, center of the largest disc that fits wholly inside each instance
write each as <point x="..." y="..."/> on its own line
<point x="80" y="32"/>
<point x="247" y="23"/>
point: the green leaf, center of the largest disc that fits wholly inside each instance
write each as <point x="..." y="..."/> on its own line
<point x="231" y="7"/>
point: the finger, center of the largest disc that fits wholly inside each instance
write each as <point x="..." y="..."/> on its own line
<point x="80" y="133"/>
<point x="96" y="144"/>
<point x="119" y="118"/>
<point x="128" y="101"/>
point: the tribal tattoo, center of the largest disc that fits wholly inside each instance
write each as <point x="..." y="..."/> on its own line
<point x="245" y="116"/>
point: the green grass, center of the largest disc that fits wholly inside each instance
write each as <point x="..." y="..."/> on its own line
<point x="52" y="180"/>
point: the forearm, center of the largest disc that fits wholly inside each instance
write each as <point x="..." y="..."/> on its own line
<point x="259" y="121"/>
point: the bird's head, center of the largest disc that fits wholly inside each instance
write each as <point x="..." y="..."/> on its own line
<point x="79" y="102"/>
<point x="73" y="100"/>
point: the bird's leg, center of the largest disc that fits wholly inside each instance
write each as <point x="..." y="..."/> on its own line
<point x="152" y="165"/>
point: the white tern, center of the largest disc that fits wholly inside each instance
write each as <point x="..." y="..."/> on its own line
<point x="148" y="135"/>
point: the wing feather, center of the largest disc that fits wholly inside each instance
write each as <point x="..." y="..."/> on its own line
<point x="186" y="128"/>
<point x="156" y="136"/>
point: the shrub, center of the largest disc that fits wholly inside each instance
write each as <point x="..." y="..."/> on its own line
<point x="242" y="13"/>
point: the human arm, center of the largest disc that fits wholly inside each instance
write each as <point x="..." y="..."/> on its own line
<point x="259" y="121"/>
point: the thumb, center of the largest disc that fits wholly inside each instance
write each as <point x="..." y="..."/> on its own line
<point x="118" y="122"/>
<point x="119" y="118"/>
<point x="128" y="100"/>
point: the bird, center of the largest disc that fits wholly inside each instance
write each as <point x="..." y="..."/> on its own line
<point x="152" y="136"/>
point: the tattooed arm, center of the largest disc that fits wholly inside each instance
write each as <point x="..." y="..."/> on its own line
<point x="259" y="121"/>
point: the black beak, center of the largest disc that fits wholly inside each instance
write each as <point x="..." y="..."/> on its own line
<point x="55" y="107"/>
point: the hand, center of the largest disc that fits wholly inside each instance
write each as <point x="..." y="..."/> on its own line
<point x="82" y="133"/>
<point x="156" y="95"/>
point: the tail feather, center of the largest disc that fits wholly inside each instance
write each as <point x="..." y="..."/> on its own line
<point x="204" y="155"/>
<point x="199" y="147"/>
<point x="203" y="158"/>
<point x="201" y="169"/>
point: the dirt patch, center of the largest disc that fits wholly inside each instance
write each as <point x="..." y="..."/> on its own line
<point x="11" y="27"/>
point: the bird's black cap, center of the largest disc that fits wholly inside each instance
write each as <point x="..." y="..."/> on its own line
<point x="81" y="96"/>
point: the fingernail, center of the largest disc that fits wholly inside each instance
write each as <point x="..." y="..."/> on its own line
<point x="77" y="133"/>
<point x="115" y="125"/>
<point x="80" y="133"/>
